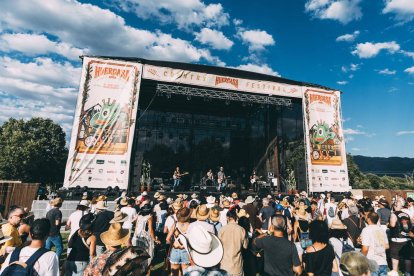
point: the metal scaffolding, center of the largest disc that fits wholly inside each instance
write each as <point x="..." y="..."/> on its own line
<point x="168" y="89"/>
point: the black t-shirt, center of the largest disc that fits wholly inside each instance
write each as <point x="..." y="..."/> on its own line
<point x="320" y="262"/>
<point x="53" y="215"/>
<point x="280" y="255"/>
<point x="354" y="227"/>
<point x="79" y="252"/>
<point x="101" y="224"/>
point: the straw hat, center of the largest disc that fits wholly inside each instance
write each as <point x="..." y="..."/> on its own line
<point x="177" y="205"/>
<point x="56" y="202"/>
<point x="161" y="198"/>
<point x="242" y="213"/>
<point x="337" y="224"/>
<point x="202" y="212"/>
<point x="102" y="198"/>
<point x="180" y="196"/>
<point x="214" y="214"/>
<point x="101" y="205"/>
<point x="119" y="217"/>
<point x="249" y="199"/>
<point x="194" y="196"/>
<point x="184" y="214"/>
<point x="115" y="235"/>
<point x="211" y="199"/>
<point x="204" y="248"/>
<point x="123" y="202"/>
<point x="157" y="195"/>
<point x="226" y="203"/>
<point x="355" y="263"/>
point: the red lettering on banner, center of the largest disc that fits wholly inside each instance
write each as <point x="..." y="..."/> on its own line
<point x="112" y="72"/>
<point x="319" y="98"/>
<point x="232" y="81"/>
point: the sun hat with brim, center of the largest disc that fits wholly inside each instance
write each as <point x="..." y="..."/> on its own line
<point x="214" y="215"/>
<point x="57" y="201"/>
<point x="204" y="248"/>
<point x="383" y="202"/>
<point x="226" y="203"/>
<point x="119" y="217"/>
<point x="337" y="225"/>
<point x="102" y="198"/>
<point x="355" y="263"/>
<point x="177" y="205"/>
<point x="202" y="212"/>
<point x="157" y="195"/>
<point x="242" y="213"/>
<point x="84" y="203"/>
<point x="161" y="198"/>
<point x="249" y="199"/>
<point x="184" y="214"/>
<point x="123" y="202"/>
<point x="115" y="235"/>
<point x="211" y="199"/>
<point x="101" y="205"/>
<point x="4" y="238"/>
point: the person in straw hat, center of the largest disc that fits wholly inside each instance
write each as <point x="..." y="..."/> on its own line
<point x="211" y="201"/>
<point x="74" y="218"/>
<point x="101" y="224"/>
<point x="338" y="237"/>
<point x="177" y="256"/>
<point x="113" y="239"/>
<point x="172" y="219"/>
<point x="202" y="213"/>
<point x="223" y="213"/>
<point x="55" y="217"/>
<point x="205" y="250"/>
<point x="214" y="219"/>
<point x="131" y="212"/>
<point x="119" y="217"/>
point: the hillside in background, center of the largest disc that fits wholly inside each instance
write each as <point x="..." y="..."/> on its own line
<point x="392" y="166"/>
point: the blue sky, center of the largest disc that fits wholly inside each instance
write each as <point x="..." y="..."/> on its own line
<point x="364" y="48"/>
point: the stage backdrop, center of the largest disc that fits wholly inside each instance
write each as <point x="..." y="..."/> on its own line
<point x="103" y="128"/>
<point x="325" y="144"/>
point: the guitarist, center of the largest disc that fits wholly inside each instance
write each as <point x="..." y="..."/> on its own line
<point x="221" y="179"/>
<point x="253" y="180"/>
<point x="177" y="176"/>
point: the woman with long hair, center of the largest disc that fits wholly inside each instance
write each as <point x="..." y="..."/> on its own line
<point x="83" y="245"/>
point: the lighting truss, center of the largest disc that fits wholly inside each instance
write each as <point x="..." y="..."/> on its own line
<point x="168" y="89"/>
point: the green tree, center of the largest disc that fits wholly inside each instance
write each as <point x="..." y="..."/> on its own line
<point x="32" y="151"/>
<point x="355" y="175"/>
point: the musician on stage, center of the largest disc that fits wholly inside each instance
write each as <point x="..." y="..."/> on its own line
<point x="209" y="178"/>
<point x="177" y="178"/>
<point x="253" y="180"/>
<point x="221" y="179"/>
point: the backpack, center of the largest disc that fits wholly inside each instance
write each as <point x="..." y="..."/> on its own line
<point x="17" y="268"/>
<point x="331" y="212"/>
<point x="346" y="247"/>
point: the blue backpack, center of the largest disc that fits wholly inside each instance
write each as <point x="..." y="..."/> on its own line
<point x="17" y="268"/>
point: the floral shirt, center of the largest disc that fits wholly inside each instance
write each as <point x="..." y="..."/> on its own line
<point x="96" y="266"/>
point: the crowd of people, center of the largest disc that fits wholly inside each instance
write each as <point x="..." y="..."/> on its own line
<point x="215" y="235"/>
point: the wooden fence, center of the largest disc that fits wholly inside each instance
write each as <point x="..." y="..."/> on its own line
<point x="17" y="193"/>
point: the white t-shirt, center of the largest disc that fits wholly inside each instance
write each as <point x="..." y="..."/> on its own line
<point x="223" y="216"/>
<point x="74" y="219"/>
<point x="46" y="265"/>
<point x="131" y="214"/>
<point x="169" y="222"/>
<point x="375" y="238"/>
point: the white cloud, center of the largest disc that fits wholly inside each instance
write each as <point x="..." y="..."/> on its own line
<point x="402" y="9"/>
<point x="350" y="131"/>
<point x="410" y="70"/>
<point x="38" y="45"/>
<point x="214" y="38"/>
<point x="393" y="89"/>
<point x="343" y="11"/>
<point x="264" y="69"/>
<point x="56" y="18"/>
<point x="237" y="22"/>
<point x="256" y="40"/>
<point x="387" y="71"/>
<point x="348" y="37"/>
<point x="369" y="50"/>
<point x="355" y="149"/>
<point x="182" y="13"/>
<point x="405" y="132"/>
<point x="341" y="82"/>
<point x="407" y="53"/>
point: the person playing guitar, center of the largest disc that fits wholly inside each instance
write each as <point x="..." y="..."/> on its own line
<point x="221" y="179"/>
<point x="177" y="178"/>
<point x="253" y="180"/>
<point x="209" y="178"/>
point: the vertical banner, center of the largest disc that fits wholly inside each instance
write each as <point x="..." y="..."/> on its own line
<point x="103" y="129"/>
<point x="325" y="145"/>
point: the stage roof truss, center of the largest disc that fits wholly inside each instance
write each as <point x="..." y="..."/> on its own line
<point x="168" y="89"/>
